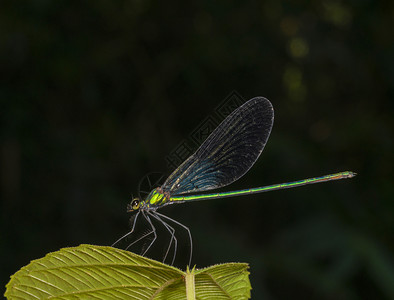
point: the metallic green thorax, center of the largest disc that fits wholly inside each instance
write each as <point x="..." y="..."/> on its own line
<point x="157" y="198"/>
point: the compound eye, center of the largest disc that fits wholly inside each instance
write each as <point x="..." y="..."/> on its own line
<point x="135" y="204"/>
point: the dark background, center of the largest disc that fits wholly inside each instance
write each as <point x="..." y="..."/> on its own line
<point x="95" y="94"/>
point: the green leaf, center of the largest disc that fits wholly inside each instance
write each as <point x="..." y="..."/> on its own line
<point x="99" y="272"/>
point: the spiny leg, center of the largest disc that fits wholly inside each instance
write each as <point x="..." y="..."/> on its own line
<point x="140" y="238"/>
<point x="186" y="228"/>
<point x="171" y="230"/>
<point x="139" y="187"/>
<point x="153" y="231"/>
<point x="130" y="232"/>
<point x="173" y="237"/>
<point x="151" y="184"/>
<point x="143" y="192"/>
<point x="157" y="182"/>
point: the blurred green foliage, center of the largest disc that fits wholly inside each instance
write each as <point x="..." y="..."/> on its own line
<point x="95" y="94"/>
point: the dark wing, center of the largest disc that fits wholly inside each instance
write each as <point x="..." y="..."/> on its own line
<point x="228" y="153"/>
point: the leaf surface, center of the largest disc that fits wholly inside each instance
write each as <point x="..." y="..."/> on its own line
<point x="100" y="272"/>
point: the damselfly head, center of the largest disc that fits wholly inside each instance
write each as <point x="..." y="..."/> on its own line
<point x="134" y="205"/>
